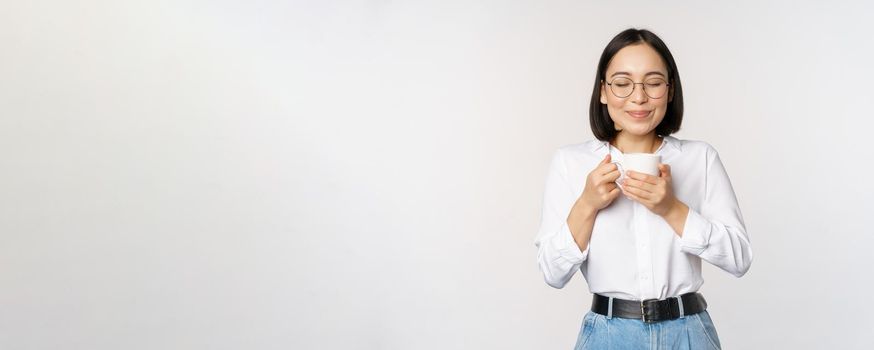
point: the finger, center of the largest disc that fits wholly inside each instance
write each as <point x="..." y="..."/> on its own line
<point x="613" y="175"/>
<point x="640" y="194"/>
<point x="632" y="196"/>
<point x="644" y="186"/>
<point x="604" y="169"/>
<point x="605" y="181"/>
<point x="665" y="170"/>
<point x="642" y="177"/>
<point x="614" y="193"/>
<point x="606" y="160"/>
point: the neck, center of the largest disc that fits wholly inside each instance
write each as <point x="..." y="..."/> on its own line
<point x="630" y="143"/>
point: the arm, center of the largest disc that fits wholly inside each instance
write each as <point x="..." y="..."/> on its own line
<point x="581" y="222"/>
<point x="558" y="255"/>
<point x="717" y="232"/>
<point x="676" y="217"/>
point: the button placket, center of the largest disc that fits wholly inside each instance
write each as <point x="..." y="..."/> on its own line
<point x="644" y="254"/>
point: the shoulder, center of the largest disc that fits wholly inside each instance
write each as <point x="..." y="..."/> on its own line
<point x="585" y="148"/>
<point x="692" y="146"/>
<point x="584" y="151"/>
<point x="579" y="158"/>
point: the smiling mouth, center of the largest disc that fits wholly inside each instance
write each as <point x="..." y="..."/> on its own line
<point x="638" y="115"/>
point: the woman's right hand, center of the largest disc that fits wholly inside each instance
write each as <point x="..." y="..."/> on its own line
<point x="600" y="191"/>
<point x="601" y="188"/>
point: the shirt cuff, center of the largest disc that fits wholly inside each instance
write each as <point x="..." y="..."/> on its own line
<point x="568" y="248"/>
<point x="696" y="233"/>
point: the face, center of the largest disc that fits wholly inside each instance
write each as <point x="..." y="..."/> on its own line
<point x="638" y="113"/>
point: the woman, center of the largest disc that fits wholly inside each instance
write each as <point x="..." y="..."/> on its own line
<point x="639" y="241"/>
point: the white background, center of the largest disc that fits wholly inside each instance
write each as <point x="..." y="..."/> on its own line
<point x="368" y="174"/>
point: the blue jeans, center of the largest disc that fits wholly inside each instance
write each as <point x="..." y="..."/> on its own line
<point x="692" y="332"/>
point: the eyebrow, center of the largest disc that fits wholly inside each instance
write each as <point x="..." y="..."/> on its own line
<point x="647" y="74"/>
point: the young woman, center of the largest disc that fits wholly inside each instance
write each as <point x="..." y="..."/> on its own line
<point x="639" y="239"/>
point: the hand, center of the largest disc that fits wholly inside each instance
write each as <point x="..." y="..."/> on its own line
<point x="654" y="192"/>
<point x="599" y="192"/>
<point x="600" y="188"/>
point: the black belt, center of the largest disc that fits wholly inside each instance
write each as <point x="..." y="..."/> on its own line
<point x="650" y="310"/>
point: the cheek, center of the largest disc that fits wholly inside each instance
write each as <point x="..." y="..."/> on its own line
<point x="615" y="111"/>
<point x="615" y="105"/>
<point x="615" y="102"/>
<point x="661" y="109"/>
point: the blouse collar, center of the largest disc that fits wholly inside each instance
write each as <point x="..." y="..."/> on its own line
<point x="669" y="142"/>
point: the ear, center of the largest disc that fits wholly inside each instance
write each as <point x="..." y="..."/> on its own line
<point x="603" y="93"/>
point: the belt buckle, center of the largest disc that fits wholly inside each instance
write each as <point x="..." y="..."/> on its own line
<point x="643" y="310"/>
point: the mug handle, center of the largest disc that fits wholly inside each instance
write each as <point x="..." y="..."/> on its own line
<point x="621" y="174"/>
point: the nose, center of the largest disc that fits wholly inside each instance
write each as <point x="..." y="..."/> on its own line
<point x="638" y="95"/>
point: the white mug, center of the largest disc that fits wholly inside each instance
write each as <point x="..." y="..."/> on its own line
<point x="646" y="163"/>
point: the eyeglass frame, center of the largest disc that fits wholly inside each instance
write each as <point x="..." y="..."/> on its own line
<point x="634" y="86"/>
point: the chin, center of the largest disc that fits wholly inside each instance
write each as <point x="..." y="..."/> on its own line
<point x="637" y="132"/>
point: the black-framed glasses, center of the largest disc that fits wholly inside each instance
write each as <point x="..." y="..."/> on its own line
<point x="653" y="87"/>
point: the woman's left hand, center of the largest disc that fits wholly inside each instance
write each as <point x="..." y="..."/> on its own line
<point x="654" y="192"/>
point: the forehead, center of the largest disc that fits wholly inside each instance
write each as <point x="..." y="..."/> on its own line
<point x="637" y="60"/>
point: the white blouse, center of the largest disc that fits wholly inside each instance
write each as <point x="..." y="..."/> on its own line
<point x="634" y="253"/>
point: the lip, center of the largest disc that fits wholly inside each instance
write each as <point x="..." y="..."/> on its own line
<point x="638" y="114"/>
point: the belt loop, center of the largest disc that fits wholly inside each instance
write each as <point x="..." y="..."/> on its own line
<point x="610" y="309"/>
<point x="680" y="303"/>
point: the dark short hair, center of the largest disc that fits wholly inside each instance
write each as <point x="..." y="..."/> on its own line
<point x="602" y="126"/>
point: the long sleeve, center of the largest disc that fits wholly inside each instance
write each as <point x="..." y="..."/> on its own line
<point x="558" y="254"/>
<point x="717" y="232"/>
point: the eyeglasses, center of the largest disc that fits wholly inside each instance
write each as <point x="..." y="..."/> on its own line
<point x="624" y="87"/>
